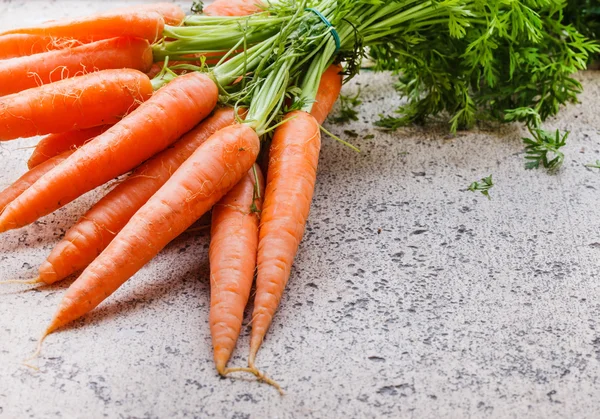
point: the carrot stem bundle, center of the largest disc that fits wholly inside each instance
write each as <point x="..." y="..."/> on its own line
<point x="93" y="232"/>
<point x="157" y="123"/>
<point x="214" y="168"/>
<point x="24" y="73"/>
<point x="55" y="144"/>
<point x="86" y="101"/>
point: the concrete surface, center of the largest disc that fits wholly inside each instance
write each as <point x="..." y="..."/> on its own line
<point x="410" y="296"/>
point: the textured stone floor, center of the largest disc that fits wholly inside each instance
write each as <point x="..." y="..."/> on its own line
<point x="410" y="296"/>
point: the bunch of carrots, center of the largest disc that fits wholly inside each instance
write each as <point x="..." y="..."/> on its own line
<point x="196" y="108"/>
<point x="85" y="83"/>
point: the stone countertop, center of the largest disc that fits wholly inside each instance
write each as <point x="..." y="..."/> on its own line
<point x="410" y="296"/>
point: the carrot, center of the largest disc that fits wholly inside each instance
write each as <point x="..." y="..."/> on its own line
<point x="20" y="185"/>
<point x="55" y="144"/>
<point x="291" y="178"/>
<point x="233" y="8"/>
<point x="23" y="73"/>
<point x="171" y="13"/>
<point x="232" y="253"/>
<point x="98" y="227"/>
<point x="20" y="45"/>
<point x="94" y="99"/>
<point x="172" y="111"/>
<point x="145" y="24"/>
<point x="329" y="90"/>
<point x="214" y="168"/>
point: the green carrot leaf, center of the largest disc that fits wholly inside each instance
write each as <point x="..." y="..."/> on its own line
<point x="484" y="185"/>
<point x="543" y="149"/>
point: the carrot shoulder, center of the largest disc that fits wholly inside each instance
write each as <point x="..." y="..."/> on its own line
<point x="291" y="178"/>
<point x="214" y="168"/>
<point x="20" y="185"/>
<point x="23" y="73"/>
<point x="55" y="144"/>
<point x="169" y="113"/>
<point x="232" y="253"/>
<point x="97" y="228"/>
<point x="104" y="97"/>
<point x="329" y="90"/>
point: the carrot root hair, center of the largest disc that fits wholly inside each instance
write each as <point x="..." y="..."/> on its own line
<point x="257" y="373"/>
<point x="36" y="280"/>
<point x="38" y="350"/>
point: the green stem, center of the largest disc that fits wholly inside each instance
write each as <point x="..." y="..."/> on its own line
<point x="270" y="96"/>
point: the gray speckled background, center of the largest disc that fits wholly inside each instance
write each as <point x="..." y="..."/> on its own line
<point x="410" y="297"/>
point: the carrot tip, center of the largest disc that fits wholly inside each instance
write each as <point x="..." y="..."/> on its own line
<point x="37" y="352"/>
<point x="258" y="374"/>
<point x="21" y="281"/>
<point x="28" y="365"/>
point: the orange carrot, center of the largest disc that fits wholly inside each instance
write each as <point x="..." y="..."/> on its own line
<point x="214" y="168"/>
<point x="291" y="178"/>
<point x="98" y="227"/>
<point x="232" y="253"/>
<point x="20" y="185"/>
<point x="20" y="45"/>
<point x="329" y="90"/>
<point x="172" y="111"/>
<point x="145" y="24"/>
<point x="55" y="144"/>
<point x="23" y="73"/>
<point x="171" y="13"/>
<point x="233" y="8"/>
<point x="94" y="99"/>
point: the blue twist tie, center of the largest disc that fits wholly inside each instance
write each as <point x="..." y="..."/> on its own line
<point x="327" y="23"/>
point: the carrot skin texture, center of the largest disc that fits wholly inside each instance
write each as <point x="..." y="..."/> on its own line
<point x="24" y="73"/>
<point x="214" y="168"/>
<point x="82" y="102"/>
<point x="21" y="45"/>
<point x="171" y="112"/>
<point x="143" y="24"/>
<point x="55" y="144"/>
<point x="233" y="8"/>
<point x="171" y="13"/>
<point x="92" y="233"/>
<point x="291" y="178"/>
<point x="232" y="254"/>
<point x="329" y="90"/>
<point x="20" y="185"/>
